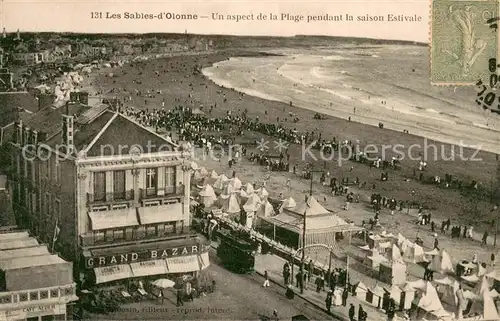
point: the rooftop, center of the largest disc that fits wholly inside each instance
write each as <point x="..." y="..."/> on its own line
<point x="12" y="102"/>
<point x="24" y="262"/>
<point x="48" y="120"/>
<point x="99" y="130"/>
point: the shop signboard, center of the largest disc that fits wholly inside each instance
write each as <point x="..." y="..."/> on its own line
<point x="147" y="255"/>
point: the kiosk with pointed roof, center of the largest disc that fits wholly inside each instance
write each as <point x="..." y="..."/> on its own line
<point x="322" y="225"/>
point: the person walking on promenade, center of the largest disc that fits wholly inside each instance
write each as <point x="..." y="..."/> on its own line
<point x="328" y="301"/>
<point x="320" y="283"/>
<point x="361" y="313"/>
<point x="266" y="281"/>
<point x="345" y="295"/>
<point x="485" y="238"/>
<point x="310" y="270"/>
<point x="180" y="301"/>
<point x="286" y="273"/>
<point x="352" y="311"/>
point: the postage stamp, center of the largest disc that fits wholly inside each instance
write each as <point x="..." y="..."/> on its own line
<point x="463" y="37"/>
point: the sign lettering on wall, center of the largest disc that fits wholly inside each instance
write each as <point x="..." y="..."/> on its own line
<point x="154" y="254"/>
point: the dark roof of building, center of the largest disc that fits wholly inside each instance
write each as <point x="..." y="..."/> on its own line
<point x="108" y="133"/>
<point x="19" y="99"/>
<point x="13" y="102"/>
<point x="48" y="120"/>
<point x="84" y="134"/>
<point x="122" y="133"/>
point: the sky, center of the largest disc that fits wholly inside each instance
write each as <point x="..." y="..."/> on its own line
<point x="76" y="16"/>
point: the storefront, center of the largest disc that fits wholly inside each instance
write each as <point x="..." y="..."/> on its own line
<point x="178" y="256"/>
<point x="39" y="312"/>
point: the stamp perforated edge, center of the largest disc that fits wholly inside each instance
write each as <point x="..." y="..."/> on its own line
<point x="454" y="84"/>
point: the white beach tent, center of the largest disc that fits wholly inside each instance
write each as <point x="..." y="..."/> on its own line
<point x="288" y="204"/>
<point x="220" y="182"/>
<point x="484" y="306"/>
<point x="414" y="253"/>
<point x="235" y="183"/>
<point x="248" y="188"/>
<point x="262" y="192"/>
<point x="207" y="195"/>
<point x="214" y="175"/>
<point x="232" y="206"/>
<point x="448" y="288"/>
<point x="200" y="174"/>
<point x="396" y="254"/>
<point x="266" y="209"/>
<point x="361" y="291"/>
<point x="252" y="204"/>
<point x="442" y="263"/>
<point x="194" y="166"/>
<point x="430" y="300"/>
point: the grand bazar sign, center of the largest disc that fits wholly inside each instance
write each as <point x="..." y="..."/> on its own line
<point x="157" y="254"/>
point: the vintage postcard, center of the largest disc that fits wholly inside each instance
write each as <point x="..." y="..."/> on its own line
<point x="258" y="160"/>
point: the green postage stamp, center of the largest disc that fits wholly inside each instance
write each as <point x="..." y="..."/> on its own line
<point x="463" y="38"/>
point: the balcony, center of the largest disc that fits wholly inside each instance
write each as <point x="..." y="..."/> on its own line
<point x="126" y="197"/>
<point x="131" y="236"/>
<point x="55" y="294"/>
<point x="161" y="195"/>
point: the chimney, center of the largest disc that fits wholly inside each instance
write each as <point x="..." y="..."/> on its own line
<point x="67" y="133"/>
<point x="18" y="139"/>
<point x="42" y="136"/>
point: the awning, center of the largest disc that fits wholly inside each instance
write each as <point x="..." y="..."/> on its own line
<point x="112" y="273"/>
<point x="204" y="260"/>
<point x="113" y="219"/>
<point x="183" y="264"/>
<point x="146" y="268"/>
<point x="160" y="214"/>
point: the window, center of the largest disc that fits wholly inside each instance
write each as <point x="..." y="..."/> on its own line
<point x="47" y="168"/>
<point x="58" y="209"/>
<point x="98" y="236"/>
<point x="31" y="171"/>
<point x="58" y="172"/>
<point x="47" y="204"/>
<point x="118" y="235"/>
<point x="25" y="169"/>
<point x="151" y="181"/>
<point x="151" y="230"/>
<point x="170" y="175"/>
<point x="119" y="184"/>
<point x="100" y="186"/>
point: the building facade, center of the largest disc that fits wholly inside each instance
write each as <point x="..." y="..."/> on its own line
<point x="118" y="192"/>
<point x="49" y="296"/>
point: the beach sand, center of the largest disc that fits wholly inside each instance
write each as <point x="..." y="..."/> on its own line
<point x="181" y="85"/>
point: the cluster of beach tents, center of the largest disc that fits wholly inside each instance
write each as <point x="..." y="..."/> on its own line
<point x="231" y="195"/>
<point x="430" y="295"/>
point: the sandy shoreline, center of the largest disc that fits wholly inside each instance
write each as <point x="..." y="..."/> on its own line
<point x="467" y="129"/>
